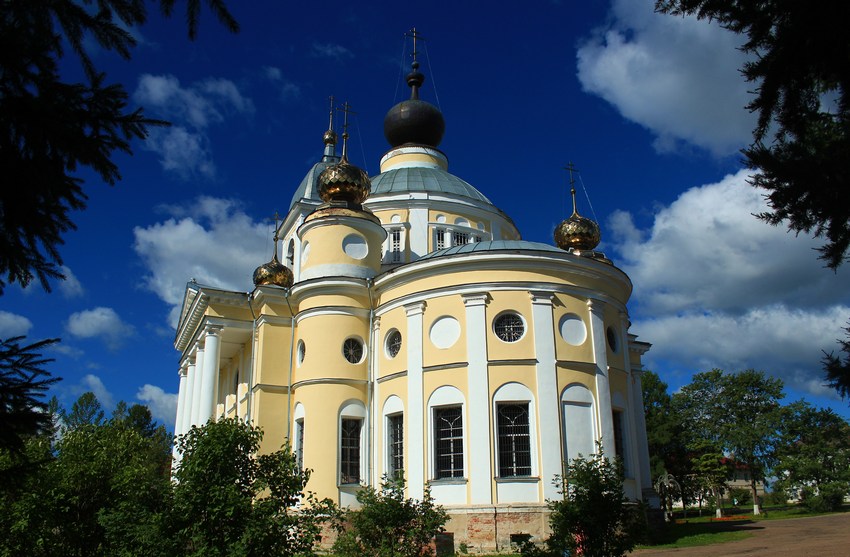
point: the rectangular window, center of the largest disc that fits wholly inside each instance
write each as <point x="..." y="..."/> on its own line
<point x="514" y="440"/>
<point x="448" y="442"/>
<point x="395" y="445"/>
<point x="395" y="239"/>
<point x="349" y="458"/>
<point x="299" y="443"/>
<point x="440" y="239"/>
<point x="619" y="448"/>
<point x="460" y="238"/>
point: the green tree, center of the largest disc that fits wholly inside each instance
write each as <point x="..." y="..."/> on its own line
<point x="230" y="501"/>
<point x="102" y="493"/>
<point x="838" y="369"/>
<point x="388" y="524"/>
<point x="23" y="384"/>
<point x="594" y="518"/>
<point x="738" y="414"/>
<point x="814" y="458"/>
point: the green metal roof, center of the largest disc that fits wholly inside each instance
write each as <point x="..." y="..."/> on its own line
<point x="495" y="245"/>
<point x="424" y="179"/>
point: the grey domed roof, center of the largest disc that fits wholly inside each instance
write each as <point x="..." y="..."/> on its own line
<point x="495" y="245"/>
<point x="423" y="179"/>
<point x="309" y="188"/>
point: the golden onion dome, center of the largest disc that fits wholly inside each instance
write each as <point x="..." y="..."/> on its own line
<point x="329" y="137"/>
<point x="273" y="273"/>
<point x="577" y="232"/>
<point x="344" y="182"/>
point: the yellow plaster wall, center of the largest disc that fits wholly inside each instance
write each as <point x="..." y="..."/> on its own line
<point x="270" y="410"/>
<point x="583" y="374"/>
<point x="322" y="403"/>
<point x="227" y="311"/>
<point x="323" y="337"/>
<point x="515" y="373"/>
<point x="435" y="309"/>
<point x="514" y="301"/>
<point x="273" y="351"/>
<point x="455" y="377"/>
<point x="326" y="243"/>
<point x="566" y="304"/>
<point x="395" y="319"/>
<point x="386" y="217"/>
<point x="343" y="299"/>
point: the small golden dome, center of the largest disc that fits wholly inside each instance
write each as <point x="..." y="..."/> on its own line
<point x="577" y="232"/>
<point x="273" y="273"/>
<point x="329" y="137"/>
<point x="344" y="182"/>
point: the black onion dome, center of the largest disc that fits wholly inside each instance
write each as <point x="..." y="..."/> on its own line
<point x="414" y="120"/>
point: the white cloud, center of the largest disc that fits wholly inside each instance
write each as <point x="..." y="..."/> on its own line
<point x="212" y="241"/>
<point x="185" y="147"/>
<point x="676" y="76"/>
<point x="95" y="385"/>
<point x="715" y="287"/>
<point x="286" y="89"/>
<point x="100" y="322"/>
<point x="330" y="50"/>
<point x="70" y="287"/>
<point x="163" y="406"/>
<point x="13" y="325"/>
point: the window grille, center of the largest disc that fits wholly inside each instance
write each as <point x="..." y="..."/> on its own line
<point x="509" y="327"/>
<point x="514" y="440"/>
<point x="460" y="238"/>
<point x="441" y="239"/>
<point x="349" y="458"/>
<point x="299" y="444"/>
<point x="617" y="417"/>
<point x="393" y="344"/>
<point x="352" y="349"/>
<point x="395" y="239"/>
<point x="395" y="443"/>
<point x="448" y="442"/>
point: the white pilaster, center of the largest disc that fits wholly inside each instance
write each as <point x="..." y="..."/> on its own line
<point x="418" y="232"/>
<point x="415" y="419"/>
<point x="480" y="472"/>
<point x="196" y="383"/>
<point x="634" y="469"/>
<point x="209" y="376"/>
<point x="603" y="388"/>
<point x="548" y="398"/>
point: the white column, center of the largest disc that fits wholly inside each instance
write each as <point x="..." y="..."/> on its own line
<point x="640" y="426"/>
<point x="181" y="398"/>
<point x="184" y="406"/>
<point x="480" y="473"/>
<point x="415" y="418"/>
<point x="603" y="389"/>
<point x="634" y="469"/>
<point x="196" y="383"/>
<point x="209" y="376"/>
<point x="548" y="398"/>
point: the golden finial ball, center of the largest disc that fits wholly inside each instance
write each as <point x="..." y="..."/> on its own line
<point x="577" y="232"/>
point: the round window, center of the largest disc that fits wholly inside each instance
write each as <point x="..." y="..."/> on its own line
<point x="302" y="351"/>
<point x="352" y="349"/>
<point x="509" y="327"/>
<point x="393" y="343"/>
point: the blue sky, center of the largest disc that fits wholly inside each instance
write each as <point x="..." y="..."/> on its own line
<point x="649" y="108"/>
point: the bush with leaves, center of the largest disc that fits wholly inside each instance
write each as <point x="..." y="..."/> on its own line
<point x="594" y="518"/>
<point x="388" y="524"/>
<point x="231" y="501"/>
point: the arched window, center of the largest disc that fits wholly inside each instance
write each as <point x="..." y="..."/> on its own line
<point x="394" y="437"/>
<point x="579" y="423"/>
<point x="446" y="408"/>
<point x="351" y="449"/>
<point x="513" y="407"/>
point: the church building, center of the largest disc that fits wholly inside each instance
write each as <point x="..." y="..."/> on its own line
<point x="403" y="327"/>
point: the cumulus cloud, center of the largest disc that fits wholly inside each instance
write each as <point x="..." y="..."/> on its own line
<point x="13" y="325"/>
<point x="212" y="240"/>
<point x="163" y="406"/>
<point x="71" y="286"/>
<point x="185" y="148"/>
<point x="93" y="383"/>
<point x="286" y="89"/>
<point x="330" y="50"/>
<point x="100" y="322"/>
<point x="715" y="287"/>
<point x="676" y="76"/>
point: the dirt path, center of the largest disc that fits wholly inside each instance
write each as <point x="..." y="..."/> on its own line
<point x="820" y="536"/>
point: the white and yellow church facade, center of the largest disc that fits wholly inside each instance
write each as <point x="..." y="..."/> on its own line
<point x="404" y="328"/>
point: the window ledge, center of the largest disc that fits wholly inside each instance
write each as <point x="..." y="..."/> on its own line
<point x="449" y="481"/>
<point x="517" y="479"/>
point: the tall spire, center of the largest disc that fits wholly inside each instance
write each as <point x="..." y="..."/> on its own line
<point x="330" y="136"/>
